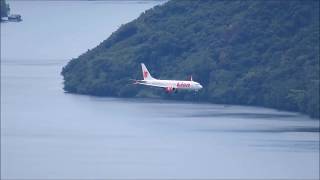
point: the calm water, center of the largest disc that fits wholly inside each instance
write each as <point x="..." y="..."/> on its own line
<point x="46" y="133"/>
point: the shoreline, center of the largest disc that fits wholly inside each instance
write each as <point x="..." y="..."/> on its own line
<point x="172" y="101"/>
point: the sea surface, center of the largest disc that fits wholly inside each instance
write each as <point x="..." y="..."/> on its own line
<point x="49" y="134"/>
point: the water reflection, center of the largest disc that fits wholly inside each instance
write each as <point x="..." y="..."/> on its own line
<point x="288" y="145"/>
<point x="260" y="130"/>
<point x="243" y="115"/>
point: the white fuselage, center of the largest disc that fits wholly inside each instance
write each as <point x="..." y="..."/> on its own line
<point x="175" y="84"/>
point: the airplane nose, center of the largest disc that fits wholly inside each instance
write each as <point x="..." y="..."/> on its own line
<point x="200" y="86"/>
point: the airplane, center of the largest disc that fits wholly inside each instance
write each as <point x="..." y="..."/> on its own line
<point x="168" y="85"/>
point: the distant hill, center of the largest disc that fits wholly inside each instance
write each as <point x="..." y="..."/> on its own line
<point x="4" y="8"/>
<point x="263" y="53"/>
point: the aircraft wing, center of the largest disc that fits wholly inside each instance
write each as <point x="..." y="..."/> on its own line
<point x="146" y="84"/>
<point x="149" y="84"/>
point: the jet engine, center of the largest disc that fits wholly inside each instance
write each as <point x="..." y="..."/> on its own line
<point x="169" y="89"/>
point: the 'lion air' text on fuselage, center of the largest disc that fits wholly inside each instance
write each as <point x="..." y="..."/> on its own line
<point x="185" y="85"/>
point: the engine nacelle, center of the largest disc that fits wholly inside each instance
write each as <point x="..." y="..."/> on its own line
<point x="169" y="89"/>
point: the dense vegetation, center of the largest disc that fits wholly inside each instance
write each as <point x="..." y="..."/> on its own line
<point x="4" y="8"/>
<point x="252" y="52"/>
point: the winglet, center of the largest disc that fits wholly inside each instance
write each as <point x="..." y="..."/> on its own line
<point x="190" y="78"/>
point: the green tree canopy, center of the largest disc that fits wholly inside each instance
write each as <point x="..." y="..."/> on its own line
<point x="4" y="8"/>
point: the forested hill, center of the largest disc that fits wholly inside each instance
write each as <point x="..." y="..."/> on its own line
<point x="262" y="53"/>
<point x="4" y="8"/>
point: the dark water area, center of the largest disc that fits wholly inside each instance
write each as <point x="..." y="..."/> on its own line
<point x="49" y="134"/>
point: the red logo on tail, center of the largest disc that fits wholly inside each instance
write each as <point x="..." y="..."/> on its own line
<point x="145" y="74"/>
